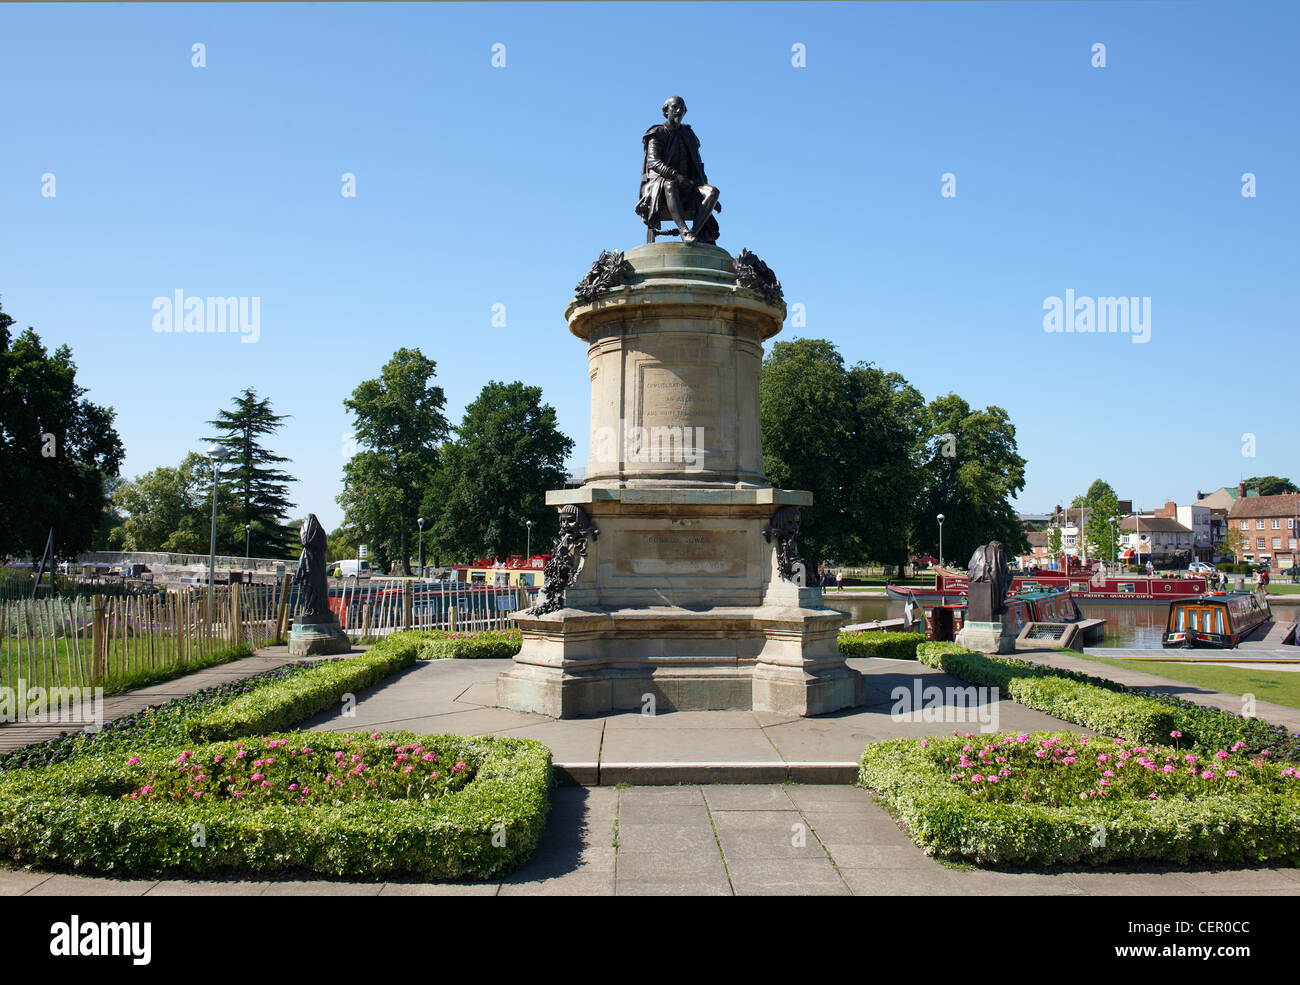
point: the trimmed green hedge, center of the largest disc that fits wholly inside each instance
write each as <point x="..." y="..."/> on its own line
<point x="1110" y="707"/>
<point x="900" y="646"/>
<point x="1128" y="716"/>
<point x="74" y="815"/>
<point x="440" y="644"/>
<point x="913" y="781"/>
<point x="282" y="704"/>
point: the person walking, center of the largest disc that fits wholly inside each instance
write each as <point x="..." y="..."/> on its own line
<point x="839" y="580"/>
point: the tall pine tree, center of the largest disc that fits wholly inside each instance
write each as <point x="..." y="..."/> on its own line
<point x="253" y="490"/>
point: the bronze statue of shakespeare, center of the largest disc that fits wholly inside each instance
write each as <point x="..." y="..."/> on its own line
<point x="673" y="183"/>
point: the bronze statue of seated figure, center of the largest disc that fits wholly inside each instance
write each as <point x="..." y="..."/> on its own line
<point x="673" y="183"/>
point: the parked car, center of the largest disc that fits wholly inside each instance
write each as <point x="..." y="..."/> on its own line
<point x="1201" y="568"/>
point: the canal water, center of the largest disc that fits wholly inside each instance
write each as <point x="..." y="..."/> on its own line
<point x="1133" y="625"/>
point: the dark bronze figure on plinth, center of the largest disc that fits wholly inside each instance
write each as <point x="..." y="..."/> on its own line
<point x="311" y="572"/>
<point x="673" y="183"/>
<point x="989" y="578"/>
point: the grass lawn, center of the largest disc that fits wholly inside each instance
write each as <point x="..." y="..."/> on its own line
<point x="1276" y="588"/>
<point x="1281" y="687"/>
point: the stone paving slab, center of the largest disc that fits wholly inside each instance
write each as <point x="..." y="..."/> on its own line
<point x="446" y="696"/>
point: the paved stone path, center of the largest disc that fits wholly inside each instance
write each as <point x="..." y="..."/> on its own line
<point x="459" y="697"/>
<point x="769" y="839"/>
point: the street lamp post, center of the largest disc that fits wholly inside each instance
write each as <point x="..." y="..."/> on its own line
<point x="1114" y="554"/>
<point x="420" y="523"/>
<point x="216" y="454"/>
<point x="940" y="519"/>
<point x="248" y="538"/>
<point x="528" y="553"/>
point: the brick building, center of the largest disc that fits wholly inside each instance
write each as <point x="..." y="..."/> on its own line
<point x="1268" y="527"/>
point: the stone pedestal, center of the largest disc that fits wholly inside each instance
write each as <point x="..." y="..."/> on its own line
<point x="325" y="637"/>
<point x="679" y="598"/>
<point x="987" y="637"/>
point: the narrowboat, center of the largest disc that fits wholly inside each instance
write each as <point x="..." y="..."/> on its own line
<point x="516" y="570"/>
<point x="1214" y="622"/>
<point x="1081" y="583"/>
<point x="944" y="616"/>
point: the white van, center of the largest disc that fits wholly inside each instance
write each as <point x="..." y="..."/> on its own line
<point x="352" y="569"/>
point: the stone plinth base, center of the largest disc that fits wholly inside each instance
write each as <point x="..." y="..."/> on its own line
<point x="312" y="638"/>
<point x="779" y="659"/>
<point x="679" y="600"/>
<point x="987" y="637"/>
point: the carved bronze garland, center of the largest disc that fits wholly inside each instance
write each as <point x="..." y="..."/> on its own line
<point x="566" y="558"/>
<point x="608" y="271"/>
<point x="754" y="275"/>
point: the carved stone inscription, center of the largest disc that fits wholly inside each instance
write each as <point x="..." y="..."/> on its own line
<point x="686" y="396"/>
<point x="681" y="553"/>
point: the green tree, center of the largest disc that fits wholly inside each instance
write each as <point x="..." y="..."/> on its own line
<point x="58" y="450"/>
<point x="165" y="509"/>
<point x="253" y="490"/>
<point x="1271" y="485"/>
<point x="1054" y="542"/>
<point x="849" y="435"/>
<point x="343" y="543"/>
<point x="972" y="470"/>
<point x="493" y="477"/>
<point x="400" y="426"/>
<point x="1232" y="544"/>
<point x="1099" y="534"/>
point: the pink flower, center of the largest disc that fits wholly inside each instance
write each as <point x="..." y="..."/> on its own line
<point x="1233" y="773"/>
<point x="133" y="760"/>
<point x="1175" y="734"/>
<point x="924" y="743"/>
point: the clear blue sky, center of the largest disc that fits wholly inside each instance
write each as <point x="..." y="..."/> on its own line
<point x="479" y="186"/>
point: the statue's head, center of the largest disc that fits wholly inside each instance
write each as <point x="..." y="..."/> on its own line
<point x="569" y="519"/>
<point x="674" y="109"/>
<point x="311" y="530"/>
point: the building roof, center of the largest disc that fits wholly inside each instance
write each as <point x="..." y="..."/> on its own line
<point x="1229" y="491"/>
<point x="1037" y="538"/>
<point x="1285" y="504"/>
<point x="1155" y="524"/>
